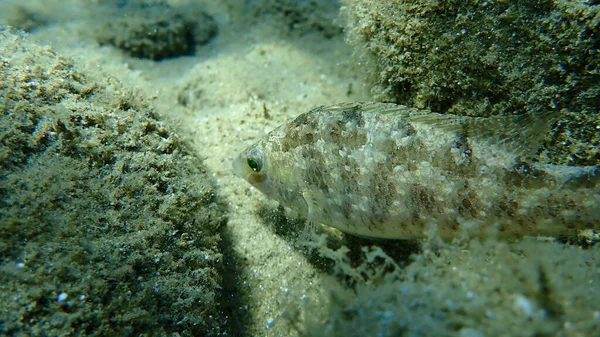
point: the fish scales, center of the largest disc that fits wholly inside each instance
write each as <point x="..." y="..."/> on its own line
<point x="387" y="171"/>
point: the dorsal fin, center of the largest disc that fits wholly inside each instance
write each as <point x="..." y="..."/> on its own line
<point x="375" y="107"/>
<point x="519" y="134"/>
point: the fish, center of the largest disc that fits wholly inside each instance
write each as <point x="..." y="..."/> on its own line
<point x="388" y="171"/>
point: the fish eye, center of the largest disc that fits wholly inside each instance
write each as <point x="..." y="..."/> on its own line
<point x="254" y="164"/>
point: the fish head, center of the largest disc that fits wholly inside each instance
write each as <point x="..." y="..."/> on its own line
<point x="271" y="173"/>
<point x="251" y="165"/>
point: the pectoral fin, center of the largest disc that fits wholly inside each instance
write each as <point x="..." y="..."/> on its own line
<point x="315" y="201"/>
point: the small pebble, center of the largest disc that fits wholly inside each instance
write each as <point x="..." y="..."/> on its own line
<point x="61" y="297"/>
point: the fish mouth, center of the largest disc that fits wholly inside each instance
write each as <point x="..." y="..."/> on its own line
<point x="239" y="167"/>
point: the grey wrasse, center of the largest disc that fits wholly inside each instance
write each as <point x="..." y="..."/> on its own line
<point x="388" y="171"/>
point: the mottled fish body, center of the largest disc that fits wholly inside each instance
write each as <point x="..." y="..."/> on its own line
<point x="387" y="171"/>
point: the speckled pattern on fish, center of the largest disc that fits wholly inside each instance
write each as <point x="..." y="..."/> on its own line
<point x="387" y="171"/>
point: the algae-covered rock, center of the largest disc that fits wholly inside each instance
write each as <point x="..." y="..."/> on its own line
<point x="488" y="58"/>
<point x="155" y="30"/>
<point x="298" y="16"/>
<point x="22" y="17"/>
<point x="108" y="223"/>
<point x="496" y="289"/>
